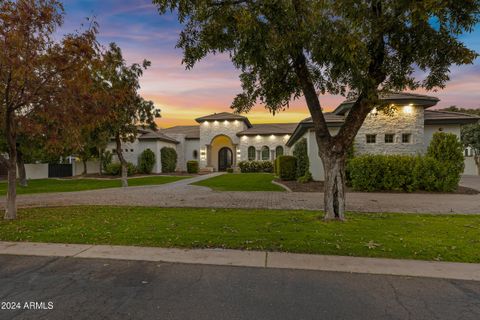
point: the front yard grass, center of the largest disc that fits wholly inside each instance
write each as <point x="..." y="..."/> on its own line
<point x="404" y="236"/>
<point x="69" y="185"/>
<point x="241" y="182"/>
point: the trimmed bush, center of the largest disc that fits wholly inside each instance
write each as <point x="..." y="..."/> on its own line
<point x="255" y="166"/>
<point x="446" y="147"/>
<point x="115" y="169"/>
<point x="402" y="173"/>
<point x="287" y="167"/>
<point x="306" y="178"/>
<point x="230" y="170"/>
<point x="192" y="166"/>
<point x="300" y="151"/>
<point x="146" y="161"/>
<point x="168" y="157"/>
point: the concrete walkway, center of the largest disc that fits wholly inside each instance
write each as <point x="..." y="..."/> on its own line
<point x="415" y="268"/>
<point x="182" y="194"/>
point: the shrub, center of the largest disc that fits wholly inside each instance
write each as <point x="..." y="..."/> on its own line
<point x="306" y="178"/>
<point x="287" y="167"/>
<point x="300" y="151"/>
<point x="255" y="166"/>
<point x="230" y="170"/>
<point x="402" y="173"/>
<point x="192" y="166"/>
<point x="168" y="157"/>
<point x="446" y="147"/>
<point x="146" y="162"/>
<point x="105" y="159"/>
<point x="115" y="169"/>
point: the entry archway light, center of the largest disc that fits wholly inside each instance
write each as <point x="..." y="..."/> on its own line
<point x="408" y="108"/>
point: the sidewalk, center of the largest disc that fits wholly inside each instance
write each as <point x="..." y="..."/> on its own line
<point x="414" y="268"/>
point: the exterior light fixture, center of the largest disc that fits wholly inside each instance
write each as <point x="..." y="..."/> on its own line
<point x="258" y="137"/>
<point x="272" y="137"/>
<point x="408" y="109"/>
<point x="215" y="122"/>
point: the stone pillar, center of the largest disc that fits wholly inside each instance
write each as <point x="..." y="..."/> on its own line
<point x="234" y="156"/>
<point x="209" y="155"/>
<point x="272" y="154"/>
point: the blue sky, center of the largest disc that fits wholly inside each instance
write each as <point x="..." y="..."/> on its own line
<point x="210" y="87"/>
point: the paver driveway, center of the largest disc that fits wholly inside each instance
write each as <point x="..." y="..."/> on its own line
<point x="182" y="194"/>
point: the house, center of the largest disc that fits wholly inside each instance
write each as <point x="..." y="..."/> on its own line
<point x="222" y="140"/>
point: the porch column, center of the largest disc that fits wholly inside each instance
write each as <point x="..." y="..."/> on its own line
<point x="209" y="155"/>
<point x="234" y="156"/>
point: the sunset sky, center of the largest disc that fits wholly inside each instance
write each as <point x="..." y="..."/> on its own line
<point x="183" y="95"/>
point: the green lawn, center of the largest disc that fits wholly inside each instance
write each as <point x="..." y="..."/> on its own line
<point x="68" y="185"/>
<point x="241" y="182"/>
<point x="412" y="236"/>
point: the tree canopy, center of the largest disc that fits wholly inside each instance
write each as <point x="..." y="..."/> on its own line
<point x="358" y="48"/>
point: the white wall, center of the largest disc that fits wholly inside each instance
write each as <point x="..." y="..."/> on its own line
<point x="36" y="171"/>
<point x="258" y="141"/>
<point x="431" y="129"/>
<point x="92" y="167"/>
<point x="470" y="166"/>
<point x="138" y="146"/>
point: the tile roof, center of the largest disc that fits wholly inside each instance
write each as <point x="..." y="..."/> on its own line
<point x="224" y="116"/>
<point x="394" y="97"/>
<point x="191" y="132"/>
<point x="146" y="134"/>
<point x="438" y="116"/>
<point x="269" y="128"/>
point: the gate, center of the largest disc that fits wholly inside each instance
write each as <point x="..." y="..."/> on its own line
<point x="60" y="170"/>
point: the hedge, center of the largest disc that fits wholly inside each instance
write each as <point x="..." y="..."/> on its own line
<point x="146" y="161"/>
<point x="168" y="157"/>
<point x="402" y="173"/>
<point x="287" y="167"/>
<point x="256" y="166"/>
<point x="192" y="166"/>
<point x="115" y="169"/>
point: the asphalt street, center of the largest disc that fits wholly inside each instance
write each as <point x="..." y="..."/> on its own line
<point x="72" y="288"/>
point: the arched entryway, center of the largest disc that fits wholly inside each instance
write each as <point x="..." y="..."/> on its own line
<point x="225" y="158"/>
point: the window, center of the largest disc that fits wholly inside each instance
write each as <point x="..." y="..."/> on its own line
<point x="278" y="151"/>
<point x="371" y="138"/>
<point x="114" y="150"/>
<point x="126" y="150"/>
<point x="251" y="153"/>
<point x="195" y="154"/>
<point x="389" y="138"/>
<point x="406" y="138"/>
<point x="131" y="150"/>
<point x="265" y="153"/>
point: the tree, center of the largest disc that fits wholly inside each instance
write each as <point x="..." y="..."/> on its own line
<point x="35" y="71"/>
<point x="471" y="138"/>
<point x="127" y="109"/>
<point x="362" y="49"/>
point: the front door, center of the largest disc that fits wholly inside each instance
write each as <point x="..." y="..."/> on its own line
<point x="225" y="159"/>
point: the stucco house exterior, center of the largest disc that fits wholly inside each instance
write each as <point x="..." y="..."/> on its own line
<point x="222" y="140"/>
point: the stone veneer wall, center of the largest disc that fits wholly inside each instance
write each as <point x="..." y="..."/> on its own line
<point x="401" y="122"/>
<point x="271" y="141"/>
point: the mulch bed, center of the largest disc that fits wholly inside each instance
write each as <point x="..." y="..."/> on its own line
<point x="318" y="186"/>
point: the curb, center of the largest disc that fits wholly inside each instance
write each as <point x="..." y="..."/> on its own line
<point x="259" y="259"/>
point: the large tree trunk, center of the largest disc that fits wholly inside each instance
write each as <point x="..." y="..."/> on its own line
<point x="334" y="193"/>
<point x="22" y="174"/>
<point x="122" y="161"/>
<point x="477" y="162"/>
<point x="10" y="135"/>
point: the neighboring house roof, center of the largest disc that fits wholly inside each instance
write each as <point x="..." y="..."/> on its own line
<point x="395" y="98"/>
<point x="190" y="132"/>
<point x="449" y="117"/>
<point x="224" y="116"/>
<point x="430" y="117"/>
<point x="148" y="134"/>
<point x="269" y="128"/>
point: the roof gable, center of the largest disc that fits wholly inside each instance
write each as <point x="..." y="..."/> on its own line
<point x="224" y="116"/>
